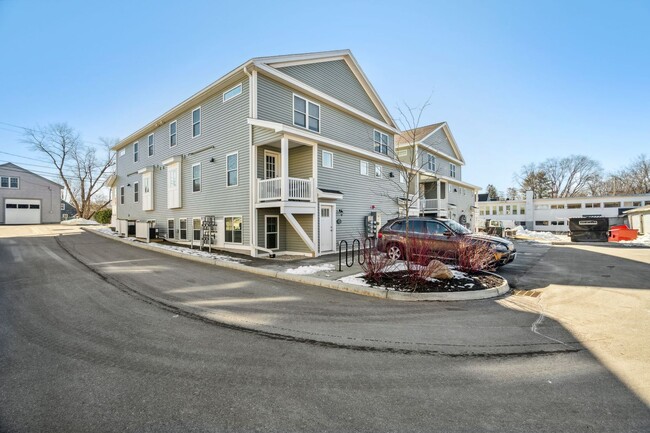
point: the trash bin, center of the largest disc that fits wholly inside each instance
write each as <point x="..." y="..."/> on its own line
<point x="622" y="233"/>
<point x="589" y="229"/>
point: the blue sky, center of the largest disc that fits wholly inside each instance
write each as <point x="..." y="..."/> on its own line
<point x="517" y="81"/>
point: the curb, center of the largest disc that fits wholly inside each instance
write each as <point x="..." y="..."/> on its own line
<point x="329" y="284"/>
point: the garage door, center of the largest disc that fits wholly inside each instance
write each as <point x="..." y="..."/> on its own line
<point x="20" y="211"/>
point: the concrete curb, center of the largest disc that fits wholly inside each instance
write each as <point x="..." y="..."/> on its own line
<point x="329" y="284"/>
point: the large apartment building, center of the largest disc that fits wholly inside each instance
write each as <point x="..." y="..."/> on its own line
<point x="290" y="154"/>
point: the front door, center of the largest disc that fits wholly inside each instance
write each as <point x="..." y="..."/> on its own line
<point x="271" y="160"/>
<point x="326" y="228"/>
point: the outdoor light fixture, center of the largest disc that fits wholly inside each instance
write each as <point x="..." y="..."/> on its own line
<point x="211" y="159"/>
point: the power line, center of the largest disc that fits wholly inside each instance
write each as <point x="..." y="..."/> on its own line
<point x="24" y="128"/>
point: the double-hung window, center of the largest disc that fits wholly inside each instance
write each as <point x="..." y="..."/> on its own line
<point x="306" y="114"/>
<point x="122" y="195"/>
<point x="452" y="170"/>
<point x="196" y="229"/>
<point x="182" y="229"/>
<point x="328" y="159"/>
<point x="171" y="231"/>
<point x="136" y="192"/>
<point x="135" y="151"/>
<point x="233" y="230"/>
<point x="231" y="168"/>
<point x="363" y="168"/>
<point x="150" y="144"/>
<point x="196" y="122"/>
<point x="431" y="162"/>
<point x="9" y="182"/>
<point x="172" y="134"/>
<point x="381" y="142"/>
<point x="377" y="170"/>
<point x="196" y="177"/>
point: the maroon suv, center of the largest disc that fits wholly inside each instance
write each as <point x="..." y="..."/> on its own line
<point x="443" y="237"/>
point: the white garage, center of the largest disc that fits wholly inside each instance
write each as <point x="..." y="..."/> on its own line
<point x="22" y="211"/>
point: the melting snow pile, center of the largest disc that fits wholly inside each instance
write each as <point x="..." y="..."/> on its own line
<point x="312" y="269"/>
<point x="520" y="231"/>
<point x="79" y="222"/>
<point x="641" y="240"/>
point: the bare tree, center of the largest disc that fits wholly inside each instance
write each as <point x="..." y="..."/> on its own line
<point x="513" y="194"/>
<point x="82" y="168"/>
<point x="571" y="176"/>
<point x="492" y="192"/>
<point x="531" y="178"/>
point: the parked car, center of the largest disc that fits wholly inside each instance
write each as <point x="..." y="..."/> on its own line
<point x="442" y="238"/>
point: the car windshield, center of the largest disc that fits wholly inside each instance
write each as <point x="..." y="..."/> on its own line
<point x="457" y="227"/>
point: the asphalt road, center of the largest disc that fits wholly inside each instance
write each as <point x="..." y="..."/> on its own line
<point x="78" y="353"/>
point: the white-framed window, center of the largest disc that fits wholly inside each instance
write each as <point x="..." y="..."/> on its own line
<point x="306" y="113"/>
<point x="377" y="170"/>
<point x="172" y="134"/>
<point x="11" y="182"/>
<point x="171" y="229"/>
<point x="121" y="152"/>
<point x="122" y="194"/>
<point x="449" y="188"/>
<point x="147" y="195"/>
<point x="182" y="229"/>
<point x="150" y="145"/>
<point x="452" y="170"/>
<point x="196" y="177"/>
<point x="196" y="229"/>
<point x="62" y="206"/>
<point x="136" y="192"/>
<point x="136" y="147"/>
<point x="232" y="166"/>
<point x="272" y="232"/>
<point x="328" y="159"/>
<point x="402" y="178"/>
<point x="196" y="122"/>
<point x="381" y="142"/>
<point x="363" y="168"/>
<point x="431" y="162"/>
<point x="233" y="230"/>
<point x="229" y="94"/>
<point x="403" y="152"/>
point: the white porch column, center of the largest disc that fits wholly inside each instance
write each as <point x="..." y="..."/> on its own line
<point x="438" y="193"/>
<point x="284" y="168"/>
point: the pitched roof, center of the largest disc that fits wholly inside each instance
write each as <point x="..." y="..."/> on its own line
<point x="16" y="168"/>
<point x="417" y="134"/>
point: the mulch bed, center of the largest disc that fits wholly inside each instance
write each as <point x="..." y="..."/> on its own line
<point x="400" y="281"/>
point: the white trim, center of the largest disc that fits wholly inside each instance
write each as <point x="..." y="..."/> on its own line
<point x="329" y="195"/>
<point x="200" y="177"/>
<point x="169" y="133"/>
<point x="236" y="169"/>
<point x="136" y="153"/>
<point x="174" y="234"/>
<point x="307" y="102"/>
<point x="277" y="162"/>
<point x="134" y="192"/>
<point x="377" y="166"/>
<point x="9" y="182"/>
<point x="367" y="165"/>
<point x="380" y="137"/>
<point x="172" y="160"/>
<point x="277" y="239"/>
<point x="224" y="230"/>
<point x="151" y="145"/>
<point x="322" y="158"/>
<point x="179" y="229"/>
<point x="332" y="207"/>
<point x="200" y="123"/>
<point x="241" y="90"/>
<point x="200" y="229"/>
<point x="433" y="151"/>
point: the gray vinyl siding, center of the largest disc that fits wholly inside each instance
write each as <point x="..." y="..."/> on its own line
<point x="438" y="141"/>
<point x="32" y="187"/>
<point x="275" y="104"/>
<point x="463" y="202"/>
<point x="442" y="164"/>
<point x="360" y="192"/>
<point x="336" y="79"/>
<point x="224" y="126"/>
<point x="264" y="135"/>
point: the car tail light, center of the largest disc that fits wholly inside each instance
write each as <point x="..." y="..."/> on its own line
<point x="379" y="235"/>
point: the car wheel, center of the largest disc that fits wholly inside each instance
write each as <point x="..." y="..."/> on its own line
<point x="394" y="252"/>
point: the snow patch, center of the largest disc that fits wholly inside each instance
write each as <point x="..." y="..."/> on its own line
<point x="310" y="269"/>
<point x="79" y="222"/>
<point x="532" y="235"/>
<point x="641" y="240"/>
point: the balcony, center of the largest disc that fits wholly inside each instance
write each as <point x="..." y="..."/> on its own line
<point x="433" y="204"/>
<point x="292" y="189"/>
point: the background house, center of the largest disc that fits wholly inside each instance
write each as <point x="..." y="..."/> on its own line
<point x="67" y="210"/>
<point x="28" y="198"/>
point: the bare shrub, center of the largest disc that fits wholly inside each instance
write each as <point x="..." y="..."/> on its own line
<point x="375" y="264"/>
<point x="475" y="256"/>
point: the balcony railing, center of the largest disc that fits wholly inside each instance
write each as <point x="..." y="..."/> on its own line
<point x="297" y="189"/>
<point x="433" y="204"/>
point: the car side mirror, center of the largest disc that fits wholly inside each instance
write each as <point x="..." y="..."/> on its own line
<point x="447" y="233"/>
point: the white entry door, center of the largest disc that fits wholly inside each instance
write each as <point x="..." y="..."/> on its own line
<point x="326" y="228"/>
<point x="21" y="211"/>
<point x="271" y="161"/>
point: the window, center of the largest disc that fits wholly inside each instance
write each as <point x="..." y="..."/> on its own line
<point x="557" y="206"/>
<point x="612" y="204"/>
<point x="508" y="210"/>
<point x="417" y="226"/>
<point x="557" y="223"/>
<point x="135" y="151"/>
<point x="363" y="167"/>
<point x="23" y="206"/>
<point x="431" y="162"/>
<point x="494" y="210"/>
<point x="136" y="192"/>
<point x="481" y="211"/>
<point x="592" y="205"/>
<point x="150" y="144"/>
<point x="34" y="206"/>
<point x="171" y="232"/>
<point x="196" y="177"/>
<point x="11" y="206"/>
<point x="377" y="170"/>
<point x="196" y="229"/>
<point x="452" y="170"/>
<point x="328" y="159"/>
<point x="435" y="228"/>
<point x="500" y="210"/>
<point x="541" y="206"/>
<point x="403" y="153"/>
<point x="541" y="223"/>
<point x="62" y="206"/>
<point x="306" y="114"/>
<point x="402" y="179"/>
<point x="522" y="211"/>
<point x="229" y="94"/>
<point x="231" y="167"/>
<point x="636" y="203"/>
<point x="514" y="209"/>
<point x="182" y="229"/>
<point x="121" y="195"/>
<point x="172" y="134"/>
<point x="196" y="122"/>
<point x="9" y="182"/>
<point x="381" y="142"/>
<point x="271" y="232"/>
<point x="121" y="152"/>
<point x="574" y="206"/>
<point x="233" y="230"/>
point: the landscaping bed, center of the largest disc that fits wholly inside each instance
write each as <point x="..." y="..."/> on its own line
<point x="400" y="281"/>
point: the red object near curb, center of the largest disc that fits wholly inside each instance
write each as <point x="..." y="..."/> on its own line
<point x="622" y="233"/>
